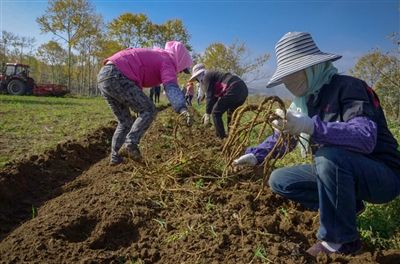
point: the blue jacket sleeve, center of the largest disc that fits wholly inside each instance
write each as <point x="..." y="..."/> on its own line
<point x="175" y="97"/>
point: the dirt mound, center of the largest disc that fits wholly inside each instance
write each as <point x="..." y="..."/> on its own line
<point x="172" y="208"/>
<point x="27" y="183"/>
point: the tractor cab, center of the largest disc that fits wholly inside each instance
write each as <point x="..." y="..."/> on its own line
<point x="16" y="69"/>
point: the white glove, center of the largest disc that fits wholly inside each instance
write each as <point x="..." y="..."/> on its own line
<point x="295" y="123"/>
<point x="188" y="117"/>
<point x="205" y="119"/>
<point x="246" y="160"/>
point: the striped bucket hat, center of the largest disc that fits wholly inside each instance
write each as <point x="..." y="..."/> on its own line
<point x="296" y="51"/>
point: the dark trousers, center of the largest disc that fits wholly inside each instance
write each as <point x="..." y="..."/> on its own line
<point x="235" y="96"/>
<point x="152" y="94"/>
<point x="156" y="97"/>
<point x="189" y="99"/>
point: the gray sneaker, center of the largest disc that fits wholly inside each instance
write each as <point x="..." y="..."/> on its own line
<point x="349" y="248"/>
<point x="115" y="160"/>
<point x="131" y="151"/>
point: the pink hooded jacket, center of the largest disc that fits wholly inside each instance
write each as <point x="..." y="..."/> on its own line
<point x="151" y="67"/>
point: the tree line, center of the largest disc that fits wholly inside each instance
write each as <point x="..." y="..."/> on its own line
<point x="82" y="40"/>
<point x="381" y="70"/>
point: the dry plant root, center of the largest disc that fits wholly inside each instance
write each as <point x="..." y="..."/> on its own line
<point x="187" y="139"/>
<point x="183" y="135"/>
<point x="249" y="121"/>
<point x="189" y="155"/>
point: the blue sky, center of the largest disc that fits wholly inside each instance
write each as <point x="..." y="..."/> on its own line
<point x="350" y="28"/>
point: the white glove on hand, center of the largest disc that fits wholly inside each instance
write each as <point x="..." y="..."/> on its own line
<point x="188" y="117"/>
<point x="205" y="119"/>
<point x="295" y="123"/>
<point x="246" y="160"/>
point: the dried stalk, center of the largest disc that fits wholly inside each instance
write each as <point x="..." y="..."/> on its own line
<point x="241" y="131"/>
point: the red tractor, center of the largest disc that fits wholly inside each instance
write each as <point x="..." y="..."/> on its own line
<point x="15" y="80"/>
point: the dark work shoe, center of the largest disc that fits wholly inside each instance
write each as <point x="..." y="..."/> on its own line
<point x="360" y="207"/>
<point x="115" y="160"/>
<point x="346" y="249"/>
<point x="351" y="247"/>
<point x="131" y="151"/>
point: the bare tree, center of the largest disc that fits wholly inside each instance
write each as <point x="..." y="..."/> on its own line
<point x="66" y="20"/>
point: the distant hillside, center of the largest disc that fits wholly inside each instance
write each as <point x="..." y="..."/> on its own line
<point x="260" y="89"/>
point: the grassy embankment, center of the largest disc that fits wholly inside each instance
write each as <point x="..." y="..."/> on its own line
<point x="30" y="125"/>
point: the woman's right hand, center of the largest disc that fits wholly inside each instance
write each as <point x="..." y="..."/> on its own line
<point x="248" y="160"/>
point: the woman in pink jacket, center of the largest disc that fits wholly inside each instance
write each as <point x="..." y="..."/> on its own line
<point x="121" y="81"/>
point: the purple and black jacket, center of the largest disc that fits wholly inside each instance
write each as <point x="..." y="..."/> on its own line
<point x="347" y="114"/>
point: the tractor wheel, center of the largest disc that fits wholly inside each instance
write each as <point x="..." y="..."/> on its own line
<point x="16" y="87"/>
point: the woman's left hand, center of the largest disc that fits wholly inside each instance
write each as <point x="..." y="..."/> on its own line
<point x="295" y="123"/>
<point x="206" y="119"/>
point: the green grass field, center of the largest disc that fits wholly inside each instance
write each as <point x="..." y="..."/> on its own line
<point x="30" y="125"/>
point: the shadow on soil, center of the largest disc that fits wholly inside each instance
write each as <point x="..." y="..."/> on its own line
<point x="26" y="184"/>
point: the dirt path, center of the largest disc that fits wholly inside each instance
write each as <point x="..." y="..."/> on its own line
<point x="172" y="209"/>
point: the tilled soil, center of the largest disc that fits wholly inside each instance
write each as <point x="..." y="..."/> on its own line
<point x="172" y="208"/>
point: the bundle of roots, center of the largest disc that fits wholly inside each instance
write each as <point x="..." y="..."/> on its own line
<point x="184" y="154"/>
<point x="252" y="122"/>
